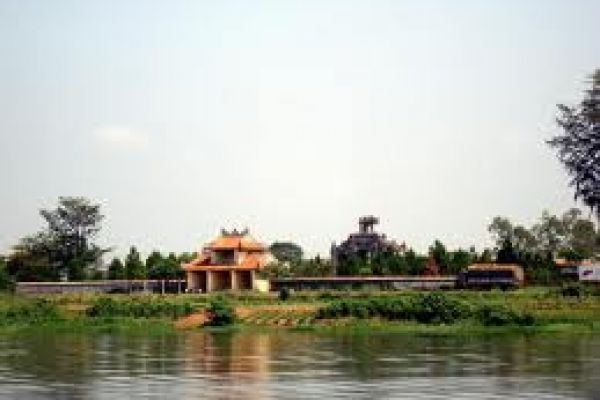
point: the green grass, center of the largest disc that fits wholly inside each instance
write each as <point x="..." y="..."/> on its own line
<point x="154" y="313"/>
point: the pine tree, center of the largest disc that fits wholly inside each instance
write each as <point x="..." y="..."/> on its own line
<point x="116" y="270"/>
<point x="134" y="267"/>
<point x="579" y="146"/>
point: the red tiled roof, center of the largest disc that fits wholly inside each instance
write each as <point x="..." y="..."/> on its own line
<point x="218" y="268"/>
<point x="252" y="261"/>
<point x="236" y="243"/>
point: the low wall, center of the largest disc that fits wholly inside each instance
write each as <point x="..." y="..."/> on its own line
<point x="116" y="286"/>
<point x="365" y="282"/>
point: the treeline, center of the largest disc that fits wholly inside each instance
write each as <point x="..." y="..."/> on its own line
<point x="439" y="260"/>
<point x="66" y="249"/>
<point x="155" y="266"/>
<point x="570" y="236"/>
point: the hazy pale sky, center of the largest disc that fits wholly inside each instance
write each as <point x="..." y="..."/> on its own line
<point x="292" y="118"/>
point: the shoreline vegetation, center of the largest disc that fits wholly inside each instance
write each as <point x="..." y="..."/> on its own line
<point x="528" y="310"/>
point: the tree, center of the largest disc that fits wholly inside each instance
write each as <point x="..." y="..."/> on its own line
<point x="134" y="267"/>
<point x="286" y="252"/>
<point x="6" y="280"/>
<point x="459" y="260"/>
<point x="160" y="267"/>
<point x="578" y="147"/>
<point x="440" y="255"/>
<point x="153" y="261"/>
<point x="34" y="259"/>
<point x="65" y="248"/>
<point x="116" y="270"/>
<point x="507" y="253"/>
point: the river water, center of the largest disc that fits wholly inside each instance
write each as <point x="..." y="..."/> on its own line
<point x="297" y="365"/>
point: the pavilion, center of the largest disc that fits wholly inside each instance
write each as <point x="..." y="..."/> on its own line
<point x="229" y="262"/>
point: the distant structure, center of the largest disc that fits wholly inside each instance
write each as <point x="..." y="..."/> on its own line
<point x="229" y="262"/>
<point x="364" y="244"/>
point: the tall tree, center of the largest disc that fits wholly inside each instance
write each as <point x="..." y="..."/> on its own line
<point x="441" y="256"/>
<point x="134" y="266"/>
<point x="286" y="252"/>
<point x="6" y="281"/>
<point x="116" y="270"/>
<point x="578" y="147"/>
<point x="66" y="246"/>
<point x="501" y="230"/>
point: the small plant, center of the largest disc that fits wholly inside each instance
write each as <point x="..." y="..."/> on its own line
<point x="221" y="312"/>
<point x="572" y="290"/>
<point x="284" y="294"/>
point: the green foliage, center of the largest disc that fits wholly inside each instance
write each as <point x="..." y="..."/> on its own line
<point x="139" y="307"/>
<point x="64" y="248"/>
<point x="438" y="308"/>
<point x="7" y="282"/>
<point x="160" y="267"/>
<point x="221" y="312"/>
<point x="28" y="311"/>
<point x="286" y="252"/>
<point x="440" y="254"/>
<point x="569" y="236"/>
<point x="116" y="269"/>
<point x="577" y="147"/>
<point x="426" y="308"/>
<point x="134" y="267"/>
<point x="498" y="315"/>
<point x="284" y="294"/>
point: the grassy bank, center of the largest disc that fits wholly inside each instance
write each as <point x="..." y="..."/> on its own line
<point x="448" y="312"/>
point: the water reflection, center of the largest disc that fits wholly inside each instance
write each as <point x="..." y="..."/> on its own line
<point x="253" y="365"/>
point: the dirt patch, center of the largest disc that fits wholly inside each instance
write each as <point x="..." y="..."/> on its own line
<point x="192" y="321"/>
<point x="247" y="311"/>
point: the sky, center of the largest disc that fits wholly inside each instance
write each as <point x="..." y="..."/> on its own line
<point x="291" y="118"/>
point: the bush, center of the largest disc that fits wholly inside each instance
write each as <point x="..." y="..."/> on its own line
<point x="497" y="315"/>
<point x="438" y="308"/>
<point x="428" y="308"/>
<point x="284" y="294"/>
<point x="30" y="311"/>
<point x="571" y="290"/>
<point x="139" y="307"/>
<point x="221" y="312"/>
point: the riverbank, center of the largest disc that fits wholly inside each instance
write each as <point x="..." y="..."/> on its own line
<point x="449" y="312"/>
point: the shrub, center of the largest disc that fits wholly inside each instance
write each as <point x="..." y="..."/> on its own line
<point x="38" y="310"/>
<point x="497" y="315"/>
<point x="429" y="308"/>
<point x="221" y="311"/>
<point x="571" y="290"/>
<point x="139" y="307"/>
<point x="284" y="294"/>
<point x="438" y="308"/>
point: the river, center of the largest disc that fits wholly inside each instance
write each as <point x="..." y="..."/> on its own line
<point x="298" y="365"/>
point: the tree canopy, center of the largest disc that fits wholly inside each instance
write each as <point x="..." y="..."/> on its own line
<point x="569" y="235"/>
<point x="286" y="252"/>
<point x="578" y="146"/>
<point x="65" y="247"/>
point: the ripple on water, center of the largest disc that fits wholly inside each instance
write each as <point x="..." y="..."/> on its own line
<point x="287" y="365"/>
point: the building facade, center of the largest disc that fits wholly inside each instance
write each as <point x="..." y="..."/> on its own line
<point x="363" y="244"/>
<point x="230" y="262"/>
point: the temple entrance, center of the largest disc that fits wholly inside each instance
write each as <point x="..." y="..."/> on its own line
<point x="243" y="280"/>
<point x="197" y="281"/>
<point x="220" y="280"/>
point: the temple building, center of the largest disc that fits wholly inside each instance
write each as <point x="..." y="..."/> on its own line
<point x="229" y="262"/>
<point x="364" y="244"/>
